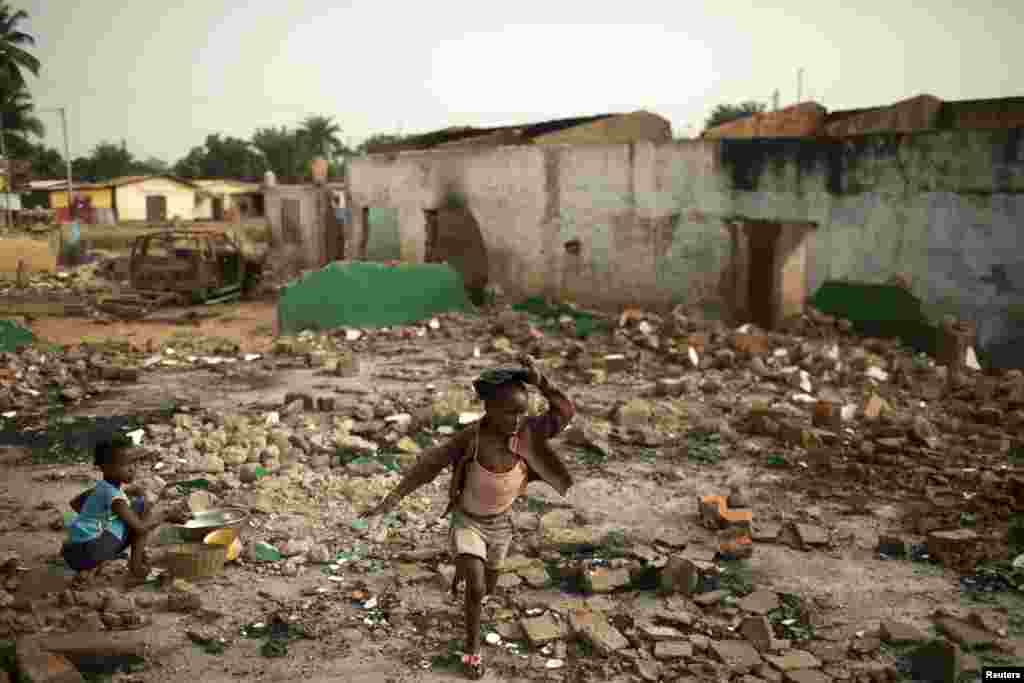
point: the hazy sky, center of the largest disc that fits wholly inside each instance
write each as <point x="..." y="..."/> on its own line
<point x="164" y="74"/>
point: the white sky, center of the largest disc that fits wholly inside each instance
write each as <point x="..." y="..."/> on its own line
<point x="162" y="75"/>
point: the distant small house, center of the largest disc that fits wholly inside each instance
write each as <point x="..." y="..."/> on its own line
<point x="228" y="199"/>
<point x="153" y="198"/>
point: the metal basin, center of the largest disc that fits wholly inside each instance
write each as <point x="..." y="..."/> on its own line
<point x="206" y="521"/>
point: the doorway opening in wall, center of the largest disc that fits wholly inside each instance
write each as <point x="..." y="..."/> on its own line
<point x="769" y="270"/>
<point x="764" y="243"/>
<point x="381" y="236"/>
<point x="291" y="222"/>
<point x="453" y="236"/>
<point x="156" y="208"/>
<point x="218" y="208"/>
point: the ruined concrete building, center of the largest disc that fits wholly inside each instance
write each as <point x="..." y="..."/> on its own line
<point x="745" y="227"/>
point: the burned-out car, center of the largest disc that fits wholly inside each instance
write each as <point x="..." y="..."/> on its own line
<point x="184" y="267"/>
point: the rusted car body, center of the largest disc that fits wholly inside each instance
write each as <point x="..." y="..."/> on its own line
<point x="184" y="267"/>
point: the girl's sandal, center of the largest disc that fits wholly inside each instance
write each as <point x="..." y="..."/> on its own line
<point x="474" y="666"/>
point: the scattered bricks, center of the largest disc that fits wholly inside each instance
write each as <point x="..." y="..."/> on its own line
<point x="953" y="548"/>
<point x="672" y="650"/>
<point x="307" y="400"/>
<point x="615" y="362"/>
<point x="738" y="655"/>
<point x="543" y="629"/>
<point x="875" y="406"/>
<point x="758" y="630"/>
<point x="325" y="404"/>
<point x="899" y="633"/>
<point x="36" y="666"/>
<point x="759" y="602"/>
<point x="715" y="513"/>
<point x="766" y="532"/>
<point x="594" y="627"/>
<point x="827" y="415"/>
<point x="347" y="366"/>
<point x="670" y="387"/>
<point x="794" y="660"/>
<point x="892" y="546"/>
<point x="604" y="580"/>
<point x="750" y="344"/>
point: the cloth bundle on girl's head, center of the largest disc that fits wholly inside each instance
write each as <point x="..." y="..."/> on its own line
<point x="487" y="384"/>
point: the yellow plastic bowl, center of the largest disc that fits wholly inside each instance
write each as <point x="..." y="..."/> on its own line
<point x="228" y="537"/>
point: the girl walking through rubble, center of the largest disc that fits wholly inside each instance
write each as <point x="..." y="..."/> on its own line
<point x="492" y="461"/>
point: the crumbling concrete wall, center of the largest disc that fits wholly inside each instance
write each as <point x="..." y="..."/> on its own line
<point x="319" y="239"/>
<point x="648" y="224"/>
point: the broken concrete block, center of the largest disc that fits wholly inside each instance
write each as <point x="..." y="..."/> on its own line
<point x="953" y="548"/>
<point x="347" y="365"/>
<point x="738" y="655"/>
<point x="670" y="386"/>
<point x="899" y="633"/>
<point x="605" y="580"/>
<point x="828" y="415"/>
<point x="615" y="362"/>
<point x="793" y="660"/>
<point x="684" y="576"/>
<point x="636" y="414"/>
<point x="594" y="627"/>
<point x="758" y="630"/>
<point x="759" y="602"/>
<point x="667" y="650"/>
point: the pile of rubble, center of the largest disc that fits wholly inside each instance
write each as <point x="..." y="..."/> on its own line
<point x="35" y="378"/>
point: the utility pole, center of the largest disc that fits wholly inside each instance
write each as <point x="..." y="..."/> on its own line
<point x="799" y="84"/>
<point x="67" y="151"/>
<point x="775" y="100"/>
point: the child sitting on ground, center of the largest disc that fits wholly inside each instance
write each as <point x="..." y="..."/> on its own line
<point x="492" y="461"/>
<point x="108" y="523"/>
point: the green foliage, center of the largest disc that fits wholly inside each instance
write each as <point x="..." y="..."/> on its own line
<point x="724" y="113"/>
<point x="704" y="447"/>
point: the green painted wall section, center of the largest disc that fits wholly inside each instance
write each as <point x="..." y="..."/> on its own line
<point x="363" y="294"/>
<point x="384" y="243"/>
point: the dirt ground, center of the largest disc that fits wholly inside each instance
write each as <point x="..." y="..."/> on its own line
<point x="649" y="498"/>
<point x="250" y="325"/>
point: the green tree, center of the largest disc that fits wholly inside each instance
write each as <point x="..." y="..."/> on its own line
<point x="110" y="160"/>
<point x="321" y="135"/>
<point x="379" y="140"/>
<point x="222" y="157"/>
<point x="47" y="163"/>
<point x="284" y="152"/>
<point x="14" y="58"/>
<point x="152" y="166"/>
<point x="17" y="116"/>
<point x="724" y="113"/>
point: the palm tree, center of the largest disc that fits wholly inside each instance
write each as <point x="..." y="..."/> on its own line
<point x="13" y="56"/>
<point x="17" y="114"/>
<point x="321" y="133"/>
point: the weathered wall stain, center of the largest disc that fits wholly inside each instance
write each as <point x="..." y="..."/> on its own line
<point x="649" y="219"/>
